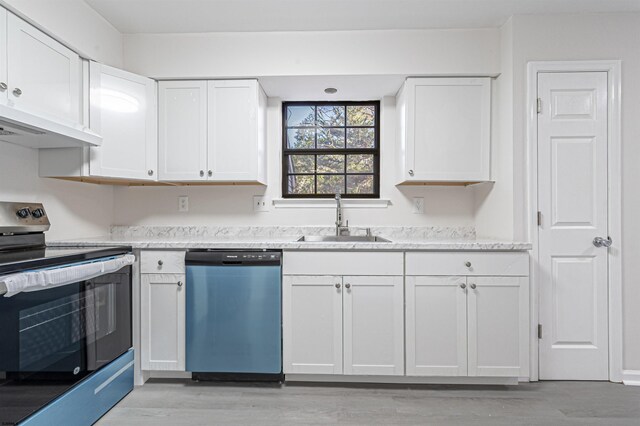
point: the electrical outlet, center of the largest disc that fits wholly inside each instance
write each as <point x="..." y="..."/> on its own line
<point x="260" y="203"/>
<point x="183" y="203"/>
<point x="418" y="205"/>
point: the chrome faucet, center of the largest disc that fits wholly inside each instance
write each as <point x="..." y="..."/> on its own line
<point x="340" y="228"/>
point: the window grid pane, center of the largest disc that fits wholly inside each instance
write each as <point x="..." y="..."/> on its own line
<point x="329" y="147"/>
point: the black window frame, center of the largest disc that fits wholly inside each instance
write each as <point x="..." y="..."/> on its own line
<point x="375" y="151"/>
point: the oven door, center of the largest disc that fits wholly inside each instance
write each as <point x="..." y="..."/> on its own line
<point x="53" y="338"/>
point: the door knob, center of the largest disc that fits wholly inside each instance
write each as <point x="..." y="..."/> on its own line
<point x="337" y="285"/>
<point x="410" y="172"/>
<point x="160" y="262"/>
<point x="17" y="92"/>
<point x="473" y="286"/>
<point x="150" y="172"/>
<point x="467" y="264"/>
<point x="210" y="173"/>
<point x="347" y="285"/>
<point x="463" y="286"/>
<point x="179" y="283"/>
<point x="601" y="242"/>
<point x="201" y="173"/>
<point x="3" y="86"/>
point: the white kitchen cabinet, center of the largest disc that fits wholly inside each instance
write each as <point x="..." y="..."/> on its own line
<point x="212" y="131"/>
<point x="467" y="325"/>
<point x="163" y="322"/>
<point x="444" y="130"/>
<point x="42" y="76"/>
<point x="4" y="92"/>
<point x="436" y="324"/>
<point x="373" y="312"/>
<point x="182" y="139"/>
<point x="123" y="109"/>
<point x="497" y="309"/>
<point x="312" y="324"/>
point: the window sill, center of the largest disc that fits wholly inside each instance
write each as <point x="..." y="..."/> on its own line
<point x="330" y="203"/>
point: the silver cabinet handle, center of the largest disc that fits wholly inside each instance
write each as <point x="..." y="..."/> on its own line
<point x="210" y="173"/>
<point x="337" y="285"/>
<point x="179" y="283"/>
<point x="3" y="86"/>
<point x="601" y="242"/>
<point x="150" y="172"/>
<point x="463" y="286"/>
<point x="467" y="264"/>
<point x="160" y="263"/>
<point x="347" y="285"/>
<point x="473" y="286"/>
<point x="201" y="173"/>
<point x="410" y="172"/>
<point x="17" y="92"/>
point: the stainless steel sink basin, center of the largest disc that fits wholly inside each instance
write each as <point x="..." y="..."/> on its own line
<point x="343" y="238"/>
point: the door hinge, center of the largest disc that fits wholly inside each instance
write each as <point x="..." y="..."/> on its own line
<point x="539" y="218"/>
<point x="539" y="105"/>
<point x="539" y="331"/>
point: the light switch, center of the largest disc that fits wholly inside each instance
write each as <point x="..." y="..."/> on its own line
<point x="260" y="203"/>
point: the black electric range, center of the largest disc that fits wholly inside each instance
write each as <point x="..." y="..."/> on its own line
<point x="53" y="339"/>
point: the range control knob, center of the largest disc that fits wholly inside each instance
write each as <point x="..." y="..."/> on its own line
<point x="23" y="213"/>
<point x="38" y="213"/>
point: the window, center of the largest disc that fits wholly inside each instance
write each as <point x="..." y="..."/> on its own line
<point x="331" y="147"/>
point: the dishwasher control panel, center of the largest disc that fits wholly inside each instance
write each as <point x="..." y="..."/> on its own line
<point x="230" y="258"/>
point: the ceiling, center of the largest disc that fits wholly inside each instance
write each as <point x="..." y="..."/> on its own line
<point x="186" y="16"/>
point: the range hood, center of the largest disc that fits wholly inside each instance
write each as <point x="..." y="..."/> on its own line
<point x="22" y="128"/>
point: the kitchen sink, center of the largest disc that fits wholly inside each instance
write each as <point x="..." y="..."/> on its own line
<point x="343" y="238"/>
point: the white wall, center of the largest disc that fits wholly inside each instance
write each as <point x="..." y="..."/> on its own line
<point x="76" y="210"/>
<point x="591" y="37"/>
<point x="76" y="24"/>
<point x="232" y="205"/>
<point x="219" y="55"/>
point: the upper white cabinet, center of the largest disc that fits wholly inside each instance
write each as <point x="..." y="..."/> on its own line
<point x="41" y="75"/>
<point x="123" y="109"/>
<point x="212" y="131"/>
<point x="444" y="130"/>
<point x="182" y="139"/>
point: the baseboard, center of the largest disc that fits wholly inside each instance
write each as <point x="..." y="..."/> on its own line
<point x="160" y="374"/>
<point x="631" y="377"/>
<point x="328" y="378"/>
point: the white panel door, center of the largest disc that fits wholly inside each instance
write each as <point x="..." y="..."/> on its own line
<point x="233" y="130"/>
<point x="124" y="111"/>
<point x="43" y="75"/>
<point x="436" y="326"/>
<point x="572" y="197"/>
<point x="4" y="87"/>
<point x="373" y="325"/>
<point x="182" y="145"/>
<point x="162" y="298"/>
<point x="312" y="324"/>
<point x="496" y="325"/>
<point x="448" y="129"/>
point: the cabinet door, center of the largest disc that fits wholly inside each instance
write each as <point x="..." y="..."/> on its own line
<point x="497" y="317"/>
<point x="43" y="75"/>
<point x="163" y="321"/>
<point x="312" y="324"/>
<point x="448" y="129"/>
<point x="124" y="111"/>
<point x="232" y="129"/>
<point x="373" y="325"/>
<point x="436" y="326"/>
<point x="182" y="145"/>
<point x="4" y="87"/>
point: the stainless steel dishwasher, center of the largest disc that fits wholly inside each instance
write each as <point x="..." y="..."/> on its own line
<point x="234" y="315"/>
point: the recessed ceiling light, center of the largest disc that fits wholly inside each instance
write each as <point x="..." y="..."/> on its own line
<point x="330" y="90"/>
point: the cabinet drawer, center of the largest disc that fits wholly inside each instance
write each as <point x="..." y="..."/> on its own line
<point x="455" y="263"/>
<point x="157" y="262"/>
<point x="342" y="263"/>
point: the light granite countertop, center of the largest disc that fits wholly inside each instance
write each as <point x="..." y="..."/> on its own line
<point x="290" y="243"/>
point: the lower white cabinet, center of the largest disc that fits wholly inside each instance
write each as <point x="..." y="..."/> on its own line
<point x="163" y="322"/>
<point x="349" y="325"/>
<point x="467" y="326"/>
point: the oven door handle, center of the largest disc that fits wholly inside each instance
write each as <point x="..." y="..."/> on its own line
<point x="44" y="279"/>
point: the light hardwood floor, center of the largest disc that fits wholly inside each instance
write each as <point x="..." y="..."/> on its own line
<point x="546" y="403"/>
